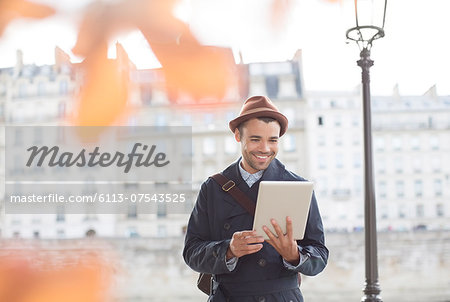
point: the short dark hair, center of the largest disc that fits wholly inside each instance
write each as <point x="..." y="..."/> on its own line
<point x="265" y="119"/>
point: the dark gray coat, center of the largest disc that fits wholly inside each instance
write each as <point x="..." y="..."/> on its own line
<point x="261" y="276"/>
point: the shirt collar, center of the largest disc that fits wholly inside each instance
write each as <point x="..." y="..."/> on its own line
<point x="249" y="178"/>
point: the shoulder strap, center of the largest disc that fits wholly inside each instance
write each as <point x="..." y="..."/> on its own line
<point x="230" y="187"/>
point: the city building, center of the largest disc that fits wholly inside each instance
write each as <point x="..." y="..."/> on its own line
<point x="411" y="150"/>
<point x="411" y="139"/>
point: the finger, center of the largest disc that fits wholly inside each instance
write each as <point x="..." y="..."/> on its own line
<point x="277" y="228"/>
<point x="252" y="240"/>
<point x="250" y="249"/>
<point x="245" y="235"/>
<point x="269" y="233"/>
<point x="289" y="229"/>
<point x="248" y="233"/>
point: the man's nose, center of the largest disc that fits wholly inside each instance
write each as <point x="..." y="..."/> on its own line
<point x="265" y="147"/>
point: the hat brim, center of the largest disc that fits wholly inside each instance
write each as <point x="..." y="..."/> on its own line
<point x="282" y="120"/>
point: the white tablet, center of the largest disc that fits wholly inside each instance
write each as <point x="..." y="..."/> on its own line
<point x="278" y="199"/>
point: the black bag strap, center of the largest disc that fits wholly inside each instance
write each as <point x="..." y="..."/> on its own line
<point x="230" y="187"/>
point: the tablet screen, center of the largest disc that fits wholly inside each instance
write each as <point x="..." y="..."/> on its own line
<point x="278" y="199"/>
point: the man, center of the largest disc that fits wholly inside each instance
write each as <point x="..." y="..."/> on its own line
<point x="219" y="238"/>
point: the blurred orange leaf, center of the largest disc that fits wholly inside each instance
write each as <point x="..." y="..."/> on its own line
<point x="280" y="9"/>
<point x="201" y="71"/>
<point x="104" y="92"/>
<point x="188" y="66"/>
<point x="45" y="276"/>
<point x="12" y="9"/>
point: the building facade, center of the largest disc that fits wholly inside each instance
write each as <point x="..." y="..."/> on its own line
<point x="324" y="144"/>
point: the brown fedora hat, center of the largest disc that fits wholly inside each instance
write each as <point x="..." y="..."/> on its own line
<point x="259" y="106"/>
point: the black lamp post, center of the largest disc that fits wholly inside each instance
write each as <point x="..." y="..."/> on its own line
<point x="367" y="13"/>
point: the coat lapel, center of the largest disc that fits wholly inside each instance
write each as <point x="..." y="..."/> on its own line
<point x="274" y="171"/>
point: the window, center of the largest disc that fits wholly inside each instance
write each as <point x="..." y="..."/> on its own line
<point x="332" y="103"/>
<point x="37" y="137"/>
<point x="22" y="90"/>
<point x="398" y="164"/>
<point x="339" y="160"/>
<point x="132" y="211"/>
<point x="289" y="113"/>
<point x="161" y="120"/>
<point x="230" y="145"/>
<point x="208" y="118"/>
<point x="338" y="121"/>
<point x="41" y="89"/>
<point x="379" y="144"/>
<point x="146" y="94"/>
<point x="60" y="233"/>
<point x="289" y="143"/>
<point x="397" y="143"/>
<point x="382" y="190"/>
<point x="187" y="147"/>
<point x="320" y="121"/>
<point x="63" y="87"/>
<point x="380" y="165"/>
<point x="434" y="142"/>
<point x="162" y="230"/>
<point x="161" y="210"/>
<point x="209" y="146"/>
<point x="272" y="86"/>
<point x="417" y="164"/>
<point x="62" y="109"/>
<point x="418" y="188"/>
<point x="384" y="212"/>
<point x="415" y="143"/>
<point x="18" y="137"/>
<point x="400" y="188"/>
<point x="355" y="121"/>
<point x="357" y="160"/>
<point x="437" y="187"/>
<point x="322" y="161"/>
<point x="321" y="140"/>
<point x="338" y="140"/>
<point x="440" y="210"/>
<point x="436" y="163"/>
<point x="60" y="217"/>
<point x="322" y="185"/>
<point x="357" y="181"/>
<point x="420" y="212"/>
<point x="230" y="115"/>
<point x="401" y="211"/>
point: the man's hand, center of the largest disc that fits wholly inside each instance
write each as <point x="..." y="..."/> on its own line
<point x="284" y="244"/>
<point x="244" y="243"/>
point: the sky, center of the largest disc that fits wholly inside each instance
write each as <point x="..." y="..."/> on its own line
<point x="413" y="54"/>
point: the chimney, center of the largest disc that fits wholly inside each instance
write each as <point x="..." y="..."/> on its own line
<point x="19" y="62"/>
<point x="396" y="91"/>
<point x="432" y="93"/>
<point x="122" y="58"/>
<point x="61" y="59"/>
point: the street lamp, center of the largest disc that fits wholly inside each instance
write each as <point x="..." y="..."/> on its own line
<point x="370" y="17"/>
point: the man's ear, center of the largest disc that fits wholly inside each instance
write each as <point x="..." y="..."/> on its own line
<point x="237" y="135"/>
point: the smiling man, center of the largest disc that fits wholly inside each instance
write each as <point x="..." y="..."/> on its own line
<point x="220" y="239"/>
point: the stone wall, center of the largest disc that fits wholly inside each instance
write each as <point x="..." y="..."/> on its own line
<point x="413" y="266"/>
